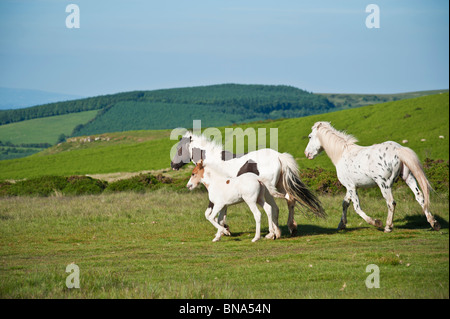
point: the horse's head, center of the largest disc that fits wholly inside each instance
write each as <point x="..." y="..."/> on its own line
<point x="182" y="155"/>
<point x="314" y="146"/>
<point x="196" y="176"/>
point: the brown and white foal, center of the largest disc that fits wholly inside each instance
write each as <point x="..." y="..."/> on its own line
<point x="225" y="191"/>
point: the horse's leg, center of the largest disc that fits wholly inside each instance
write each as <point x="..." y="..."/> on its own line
<point x="411" y="182"/>
<point x="292" y="225"/>
<point x="387" y="194"/>
<point x="355" y="199"/>
<point x="345" y="205"/>
<point x="271" y="205"/>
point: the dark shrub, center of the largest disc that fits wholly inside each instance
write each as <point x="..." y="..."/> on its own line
<point x="4" y="188"/>
<point x="139" y="183"/>
<point x="84" y="185"/>
<point x="321" y="181"/>
<point x="38" y="186"/>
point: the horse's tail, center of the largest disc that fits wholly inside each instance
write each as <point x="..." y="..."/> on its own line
<point x="295" y="187"/>
<point x="410" y="159"/>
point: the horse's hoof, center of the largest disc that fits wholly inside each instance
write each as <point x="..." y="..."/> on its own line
<point x="341" y="226"/>
<point x="436" y="226"/>
<point x="293" y="232"/>
<point x="226" y="232"/>
<point x="216" y="239"/>
<point x="378" y="223"/>
<point x="277" y="234"/>
<point x="270" y="236"/>
<point x="387" y="229"/>
<point x="255" y="239"/>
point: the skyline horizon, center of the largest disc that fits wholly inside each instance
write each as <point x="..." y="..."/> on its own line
<point x="76" y="97"/>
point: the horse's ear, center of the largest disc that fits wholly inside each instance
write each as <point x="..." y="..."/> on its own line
<point x="190" y="138"/>
<point x="317" y="125"/>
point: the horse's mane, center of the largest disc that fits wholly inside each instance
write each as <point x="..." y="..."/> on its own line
<point x="333" y="141"/>
<point x="205" y="143"/>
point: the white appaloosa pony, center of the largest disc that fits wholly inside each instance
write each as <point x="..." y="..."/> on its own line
<point x="224" y="191"/>
<point x="379" y="164"/>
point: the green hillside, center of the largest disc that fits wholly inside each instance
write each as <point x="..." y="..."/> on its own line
<point x="45" y="129"/>
<point x="412" y="120"/>
<point x="231" y="102"/>
<point x="22" y="130"/>
<point x="24" y="138"/>
<point x="216" y="105"/>
<point x="127" y="116"/>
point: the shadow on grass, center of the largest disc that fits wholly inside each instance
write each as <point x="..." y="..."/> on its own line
<point x="408" y="222"/>
<point x="420" y="222"/>
<point x="302" y="230"/>
<point x="308" y="230"/>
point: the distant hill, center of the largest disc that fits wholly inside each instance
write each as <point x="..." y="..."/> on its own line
<point x="216" y="105"/>
<point x="422" y="121"/>
<point x="22" y="130"/>
<point x="20" y="98"/>
<point x="160" y="109"/>
<point x="29" y="130"/>
<point x="344" y="100"/>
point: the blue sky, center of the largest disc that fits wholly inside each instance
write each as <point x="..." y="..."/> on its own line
<point x="319" y="46"/>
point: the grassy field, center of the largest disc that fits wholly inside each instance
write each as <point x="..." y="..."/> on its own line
<point x="43" y="130"/>
<point x="158" y="245"/>
<point x="413" y="120"/>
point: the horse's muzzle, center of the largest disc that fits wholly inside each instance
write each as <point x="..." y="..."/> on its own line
<point x="309" y="155"/>
<point x="175" y="167"/>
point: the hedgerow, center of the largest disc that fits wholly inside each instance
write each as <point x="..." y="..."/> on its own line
<point x="319" y="180"/>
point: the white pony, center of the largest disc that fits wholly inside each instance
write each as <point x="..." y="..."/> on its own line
<point x="224" y="191"/>
<point x="278" y="171"/>
<point x="379" y="164"/>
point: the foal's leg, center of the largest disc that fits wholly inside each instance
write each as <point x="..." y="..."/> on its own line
<point x="355" y="199"/>
<point x="221" y="220"/>
<point x="267" y="208"/>
<point x="257" y="215"/>
<point x="222" y="215"/>
<point x="411" y="181"/>
<point x="271" y="205"/>
<point x="210" y="216"/>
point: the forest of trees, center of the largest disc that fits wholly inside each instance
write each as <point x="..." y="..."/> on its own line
<point x="247" y="101"/>
<point x="217" y="105"/>
<point x="66" y="107"/>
